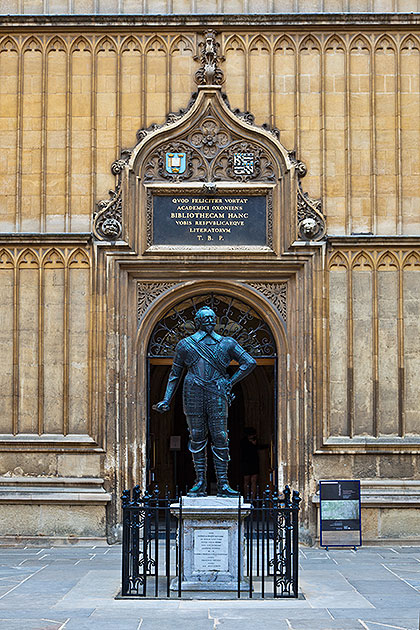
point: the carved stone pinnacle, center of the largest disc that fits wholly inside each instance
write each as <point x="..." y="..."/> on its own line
<point x="209" y="73"/>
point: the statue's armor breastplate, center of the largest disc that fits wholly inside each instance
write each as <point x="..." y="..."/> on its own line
<point x="202" y="368"/>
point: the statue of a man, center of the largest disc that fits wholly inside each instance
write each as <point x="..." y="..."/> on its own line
<point x="207" y="395"/>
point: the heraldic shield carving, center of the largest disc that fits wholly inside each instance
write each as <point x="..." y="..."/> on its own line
<point x="208" y="177"/>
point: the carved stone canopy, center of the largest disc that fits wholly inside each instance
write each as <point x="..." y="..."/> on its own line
<point x="210" y="143"/>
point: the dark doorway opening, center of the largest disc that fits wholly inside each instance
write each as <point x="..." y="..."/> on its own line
<point x="170" y="462"/>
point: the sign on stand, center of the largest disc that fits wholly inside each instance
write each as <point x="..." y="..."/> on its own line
<point x="340" y="522"/>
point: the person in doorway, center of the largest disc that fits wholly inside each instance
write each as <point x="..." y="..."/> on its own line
<point x="250" y="465"/>
<point x="207" y="394"/>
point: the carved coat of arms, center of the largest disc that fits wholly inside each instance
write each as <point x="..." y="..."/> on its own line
<point x="243" y="163"/>
<point x="176" y="162"/>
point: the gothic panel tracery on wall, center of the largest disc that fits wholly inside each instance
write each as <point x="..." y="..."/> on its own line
<point x="45" y="344"/>
<point x="374" y="359"/>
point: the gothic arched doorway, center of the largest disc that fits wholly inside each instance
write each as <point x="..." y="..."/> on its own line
<point x="168" y="460"/>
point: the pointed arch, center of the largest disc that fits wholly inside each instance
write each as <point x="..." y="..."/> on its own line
<point x="285" y="44"/>
<point x="234" y="42"/>
<point x="105" y="44"/>
<point x="260" y="43"/>
<point x="56" y="43"/>
<point x="310" y="43"/>
<point x="388" y="260"/>
<point x="409" y="42"/>
<point x="162" y="305"/>
<point x="181" y="44"/>
<point x="32" y="43"/>
<point x="334" y="42"/>
<point x="53" y="258"/>
<point x="6" y="258"/>
<point x="338" y="260"/>
<point x="360" y="43"/>
<point x="81" y="44"/>
<point x="362" y="260"/>
<point x="131" y="43"/>
<point x="28" y="259"/>
<point x="156" y="44"/>
<point x="386" y="44"/>
<point x="411" y="260"/>
<point x="8" y="44"/>
<point x="79" y="259"/>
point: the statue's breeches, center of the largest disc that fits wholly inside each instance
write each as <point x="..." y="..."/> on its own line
<point x="206" y="412"/>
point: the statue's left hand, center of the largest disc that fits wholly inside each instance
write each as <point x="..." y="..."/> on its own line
<point x="225" y="386"/>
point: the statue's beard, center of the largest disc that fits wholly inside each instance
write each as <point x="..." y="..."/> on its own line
<point x="208" y="328"/>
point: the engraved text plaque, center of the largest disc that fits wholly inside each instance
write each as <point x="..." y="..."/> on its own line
<point x="224" y="220"/>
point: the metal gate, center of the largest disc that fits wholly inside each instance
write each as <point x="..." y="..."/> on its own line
<point x="152" y="545"/>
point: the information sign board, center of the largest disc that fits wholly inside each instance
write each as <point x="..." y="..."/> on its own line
<point x="340" y="522"/>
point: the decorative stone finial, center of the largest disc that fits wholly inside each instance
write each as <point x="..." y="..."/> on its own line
<point x="209" y="73"/>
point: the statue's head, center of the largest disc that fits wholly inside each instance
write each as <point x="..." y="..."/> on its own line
<point x="205" y="319"/>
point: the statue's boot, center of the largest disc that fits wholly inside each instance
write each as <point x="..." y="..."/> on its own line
<point x="221" y="461"/>
<point x="199" y="489"/>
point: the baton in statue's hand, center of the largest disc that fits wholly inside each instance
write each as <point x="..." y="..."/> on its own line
<point x="161" y="407"/>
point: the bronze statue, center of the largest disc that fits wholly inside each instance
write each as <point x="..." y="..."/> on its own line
<point x="207" y="394"/>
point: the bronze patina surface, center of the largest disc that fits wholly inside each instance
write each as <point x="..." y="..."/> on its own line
<point x="207" y="394"/>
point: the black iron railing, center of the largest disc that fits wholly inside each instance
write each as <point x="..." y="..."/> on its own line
<point x="152" y="544"/>
<point x="271" y="533"/>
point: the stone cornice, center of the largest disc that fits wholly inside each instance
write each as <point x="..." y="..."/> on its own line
<point x="363" y="240"/>
<point x="301" y="21"/>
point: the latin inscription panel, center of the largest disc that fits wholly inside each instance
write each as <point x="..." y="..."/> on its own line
<point x="216" y="220"/>
<point x="211" y="550"/>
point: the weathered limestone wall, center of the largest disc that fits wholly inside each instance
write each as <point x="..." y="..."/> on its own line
<point x="374" y="355"/>
<point x="348" y="102"/>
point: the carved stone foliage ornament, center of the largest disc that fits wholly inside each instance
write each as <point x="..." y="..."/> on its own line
<point x="209" y="137"/>
<point x="275" y="292"/>
<point x="148" y="292"/>
<point x="311" y="221"/>
<point x="107" y="220"/>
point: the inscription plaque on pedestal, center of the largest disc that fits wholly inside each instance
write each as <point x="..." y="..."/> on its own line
<point x="211" y="550"/>
<point x="197" y="219"/>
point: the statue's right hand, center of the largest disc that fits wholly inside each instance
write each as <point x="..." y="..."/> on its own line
<point x="161" y="407"/>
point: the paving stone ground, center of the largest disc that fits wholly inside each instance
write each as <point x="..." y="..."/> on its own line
<point x="73" y="588"/>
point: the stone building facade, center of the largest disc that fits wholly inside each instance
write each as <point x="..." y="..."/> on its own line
<point x="340" y="80"/>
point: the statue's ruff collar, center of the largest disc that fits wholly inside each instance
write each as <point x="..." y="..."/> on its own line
<point x="200" y="334"/>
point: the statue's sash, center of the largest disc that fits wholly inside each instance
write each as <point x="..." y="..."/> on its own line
<point x="206" y="353"/>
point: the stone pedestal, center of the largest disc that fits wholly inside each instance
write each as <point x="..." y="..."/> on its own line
<point x="211" y="556"/>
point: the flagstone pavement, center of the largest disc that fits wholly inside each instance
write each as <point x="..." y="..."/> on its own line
<point x="74" y="587"/>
